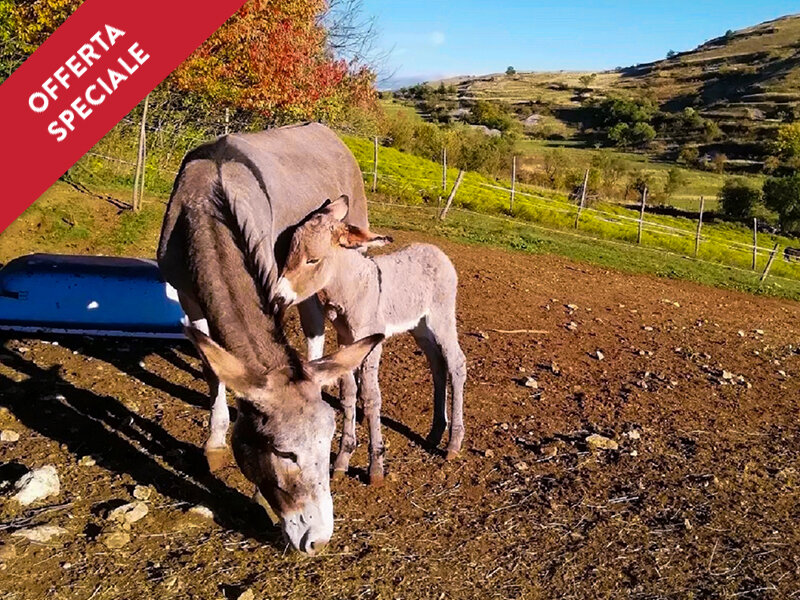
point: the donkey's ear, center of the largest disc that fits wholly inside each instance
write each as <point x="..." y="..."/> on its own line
<point x="337" y="209"/>
<point x="230" y="370"/>
<point x="356" y="237"/>
<point x="329" y="369"/>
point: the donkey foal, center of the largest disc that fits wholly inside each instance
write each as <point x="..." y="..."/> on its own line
<point x="413" y="290"/>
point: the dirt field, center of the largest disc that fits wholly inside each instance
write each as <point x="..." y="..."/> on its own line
<point x="697" y="386"/>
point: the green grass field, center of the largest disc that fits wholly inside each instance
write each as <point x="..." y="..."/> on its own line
<point x="64" y="220"/>
<point x="698" y="183"/>
<point x="416" y="181"/>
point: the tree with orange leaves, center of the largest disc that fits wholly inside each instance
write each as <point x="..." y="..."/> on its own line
<point x="273" y="58"/>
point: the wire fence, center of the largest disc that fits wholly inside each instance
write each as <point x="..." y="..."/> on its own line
<point x="514" y="202"/>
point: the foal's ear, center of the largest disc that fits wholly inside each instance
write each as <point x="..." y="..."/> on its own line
<point x="329" y="369"/>
<point x="337" y="209"/>
<point x="230" y="370"/>
<point x="356" y="237"/>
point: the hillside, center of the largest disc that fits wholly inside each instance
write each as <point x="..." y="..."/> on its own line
<point x="747" y="82"/>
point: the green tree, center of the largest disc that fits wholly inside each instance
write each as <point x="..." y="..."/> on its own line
<point x="787" y="143"/>
<point x="671" y="54"/>
<point x="494" y="115"/>
<point x="676" y="179"/>
<point x="642" y="134"/>
<point x="719" y="162"/>
<point x="511" y="71"/>
<point x="587" y="80"/>
<point x="782" y="194"/>
<point x="689" y="155"/>
<point x="739" y="197"/>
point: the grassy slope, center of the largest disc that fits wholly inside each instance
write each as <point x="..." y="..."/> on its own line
<point x="743" y="82"/>
<point x="64" y="220"/>
<point x="414" y="180"/>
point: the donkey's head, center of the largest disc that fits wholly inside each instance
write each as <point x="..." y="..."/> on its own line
<point x="315" y="243"/>
<point x="283" y="432"/>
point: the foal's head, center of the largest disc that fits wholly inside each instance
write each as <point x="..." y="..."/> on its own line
<point x="310" y="265"/>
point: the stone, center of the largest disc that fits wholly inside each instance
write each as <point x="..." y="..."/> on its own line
<point x="129" y="513"/>
<point x="142" y="492"/>
<point x="521" y="466"/>
<point x="633" y="434"/>
<point x="571" y="326"/>
<point x="598" y="354"/>
<point x="601" y="442"/>
<point x="202" y="511"/>
<point x="727" y="375"/>
<point x="40" y="533"/>
<point x="114" y="540"/>
<point x="488" y="453"/>
<point x="247" y="595"/>
<point x="37" y="485"/>
<point x="531" y="383"/>
<point x="8" y="435"/>
<point x="87" y="461"/>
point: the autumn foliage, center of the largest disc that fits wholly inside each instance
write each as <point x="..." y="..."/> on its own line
<point x="272" y="58"/>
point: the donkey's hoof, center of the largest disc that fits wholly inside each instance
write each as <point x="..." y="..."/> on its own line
<point x="376" y="479"/>
<point x="338" y="474"/>
<point x="217" y="458"/>
<point x="452" y="454"/>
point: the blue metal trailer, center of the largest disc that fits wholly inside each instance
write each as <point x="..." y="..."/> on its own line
<point x="89" y="295"/>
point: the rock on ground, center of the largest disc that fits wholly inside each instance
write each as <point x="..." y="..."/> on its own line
<point x="40" y="533"/>
<point x="114" y="539"/>
<point x="601" y="442"/>
<point x="202" y="511"/>
<point x="37" y="485"/>
<point x="129" y="513"/>
<point x="8" y="435"/>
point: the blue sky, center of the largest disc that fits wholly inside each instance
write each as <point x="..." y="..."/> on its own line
<point x="434" y="38"/>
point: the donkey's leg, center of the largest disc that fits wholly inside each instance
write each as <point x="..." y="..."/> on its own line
<point x="371" y="397"/>
<point x="312" y="320"/>
<point x="427" y="342"/>
<point x="347" y="445"/>
<point x="216" y="445"/>
<point x="444" y="329"/>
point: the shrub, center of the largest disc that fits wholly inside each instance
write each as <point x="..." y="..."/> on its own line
<point x="739" y="197"/>
<point x="782" y="194"/>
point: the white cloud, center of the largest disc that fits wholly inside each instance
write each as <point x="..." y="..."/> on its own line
<point x="437" y="38"/>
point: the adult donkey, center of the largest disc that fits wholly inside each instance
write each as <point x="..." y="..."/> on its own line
<point x="224" y="238"/>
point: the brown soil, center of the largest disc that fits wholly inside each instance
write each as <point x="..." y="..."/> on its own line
<point x="703" y="505"/>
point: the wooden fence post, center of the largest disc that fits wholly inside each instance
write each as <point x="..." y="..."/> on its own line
<point x="583" y="198"/>
<point x="699" y="227"/>
<point x="375" y="167"/>
<point x="513" y="182"/>
<point x="444" y="168"/>
<point x="769" y="263"/>
<point x="641" y="216"/>
<point x="452" y="194"/>
<point x="755" y="242"/>
<point x="138" y="179"/>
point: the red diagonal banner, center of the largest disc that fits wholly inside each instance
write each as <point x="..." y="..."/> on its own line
<point x="88" y="75"/>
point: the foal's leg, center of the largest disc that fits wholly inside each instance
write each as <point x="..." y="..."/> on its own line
<point x="427" y="342"/>
<point x="312" y="320"/>
<point x="444" y="328"/>
<point x="371" y="396"/>
<point x="216" y="445"/>
<point x="347" y="445"/>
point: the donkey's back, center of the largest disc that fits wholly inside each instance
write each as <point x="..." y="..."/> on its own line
<point x="259" y="184"/>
